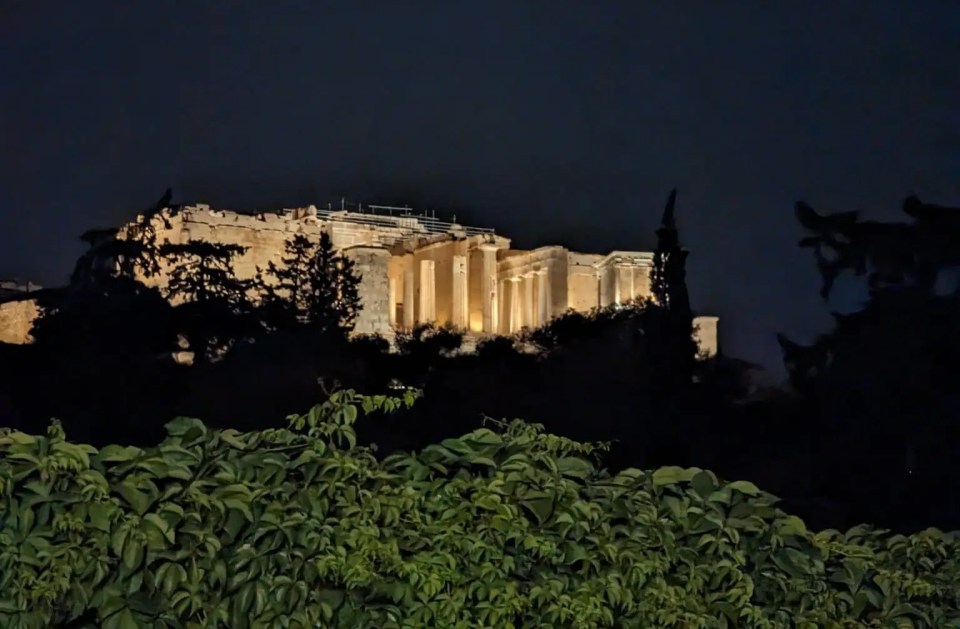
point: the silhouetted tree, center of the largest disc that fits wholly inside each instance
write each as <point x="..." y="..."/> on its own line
<point x="669" y="277"/>
<point x="135" y="253"/>
<point x="213" y="306"/>
<point x="106" y="306"/>
<point x="428" y="342"/>
<point x="124" y="318"/>
<point x="102" y="345"/>
<point x="425" y="350"/>
<point x="569" y="327"/>
<point x="497" y="348"/>
<point x="315" y="286"/>
<point x="669" y="321"/>
<point x="372" y="345"/>
<point x="880" y="386"/>
<point x="889" y="254"/>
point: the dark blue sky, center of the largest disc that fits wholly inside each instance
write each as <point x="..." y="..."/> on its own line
<point x="555" y="122"/>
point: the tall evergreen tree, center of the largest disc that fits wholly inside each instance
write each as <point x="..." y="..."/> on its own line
<point x="673" y="348"/>
<point x="669" y="278"/>
<point x="314" y="286"/>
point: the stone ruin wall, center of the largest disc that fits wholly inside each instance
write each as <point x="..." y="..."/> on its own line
<point x="264" y="236"/>
<point x="503" y="290"/>
<point x="16" y="320"/>
<point x="374" y="290"/>
<point x="706" y="334"/>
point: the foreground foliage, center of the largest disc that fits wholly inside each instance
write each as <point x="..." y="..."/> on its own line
<point x="510" y="527"/>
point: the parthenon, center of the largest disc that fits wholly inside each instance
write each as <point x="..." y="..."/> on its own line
<point x="416" y="269"/>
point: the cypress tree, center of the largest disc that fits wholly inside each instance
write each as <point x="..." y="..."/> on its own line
<point x="673" y="348"/>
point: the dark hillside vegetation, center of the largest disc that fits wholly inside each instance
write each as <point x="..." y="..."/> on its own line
<point x="865" y="431"/>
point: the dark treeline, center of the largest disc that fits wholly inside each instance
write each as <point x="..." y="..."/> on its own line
<point x="865" y="431"/>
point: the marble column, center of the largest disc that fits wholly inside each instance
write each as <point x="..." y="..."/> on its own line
<point x="488" y="289"/>
<point x="529" y="314"/>
<point x="428" y="294"/>
<point x="516" y="321"/>
<point x="544" y="298"/>
<point x="624" y="288"/>
<point x="409" y="301"/>
<point x="461" y="304"/>
<point x="393" y="302"/>
<point x="641" y="279"/>
<point x="503" y="308"/>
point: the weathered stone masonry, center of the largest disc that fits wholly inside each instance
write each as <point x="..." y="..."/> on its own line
<point x="416" y="269"/>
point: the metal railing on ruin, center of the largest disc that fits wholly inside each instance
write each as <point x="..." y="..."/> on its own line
<point x="394" y="217"/>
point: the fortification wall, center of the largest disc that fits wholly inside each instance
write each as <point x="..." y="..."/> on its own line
<point x="264" y="235"/>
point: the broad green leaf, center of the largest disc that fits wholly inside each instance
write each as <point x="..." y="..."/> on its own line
<point x="540" y="504"/>
<point x="704" y="483"/>
<point x="672" y="475"/>
<point x="133" y="553"/>
<point x="233" y="438"/>
<point x="744" y="487"/>
<point x="161" y="525"/>
<point x="124" y="619"/>
<point x="575" y="468"/>
<point x="100" y="514"/>
<point x="118" y="454"/>
<point x="275" y="528"/>
<point x="187" y="428"/>
<point x="138" y="497"/>
<point x="791" y="525"/>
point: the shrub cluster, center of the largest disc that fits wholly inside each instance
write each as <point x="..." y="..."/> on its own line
<point x="504" y="527"/>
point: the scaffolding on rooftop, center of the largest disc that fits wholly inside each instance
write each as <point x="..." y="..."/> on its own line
<point x="400" y="217"/>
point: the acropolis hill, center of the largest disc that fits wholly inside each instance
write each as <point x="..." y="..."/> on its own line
<point x="414" y="268"/>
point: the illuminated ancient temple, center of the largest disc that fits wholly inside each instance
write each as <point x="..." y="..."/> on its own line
<point x="418" y="269"/>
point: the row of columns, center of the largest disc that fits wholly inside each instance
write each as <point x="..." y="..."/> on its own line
<point x="426" y="297"/>
<point x="528" y="302"/>
<point x="507" y="306"/>
<point x="627" y="286"/>
<point x="622" y="284"/>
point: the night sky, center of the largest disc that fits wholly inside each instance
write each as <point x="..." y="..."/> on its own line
<point x="554" y="122"/>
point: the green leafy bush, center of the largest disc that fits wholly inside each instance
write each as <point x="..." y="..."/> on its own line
<point x="509" y="527"/>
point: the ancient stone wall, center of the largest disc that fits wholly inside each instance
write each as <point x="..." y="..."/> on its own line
<point x="371" y="263"/>
<point x="412" y="270"/>
<point x="705" y="333"/>
<point x="16" y="320"/>
<point x="264" y="235"/>
<point x="583" y="291"/>
<point x="600" y="281"/>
